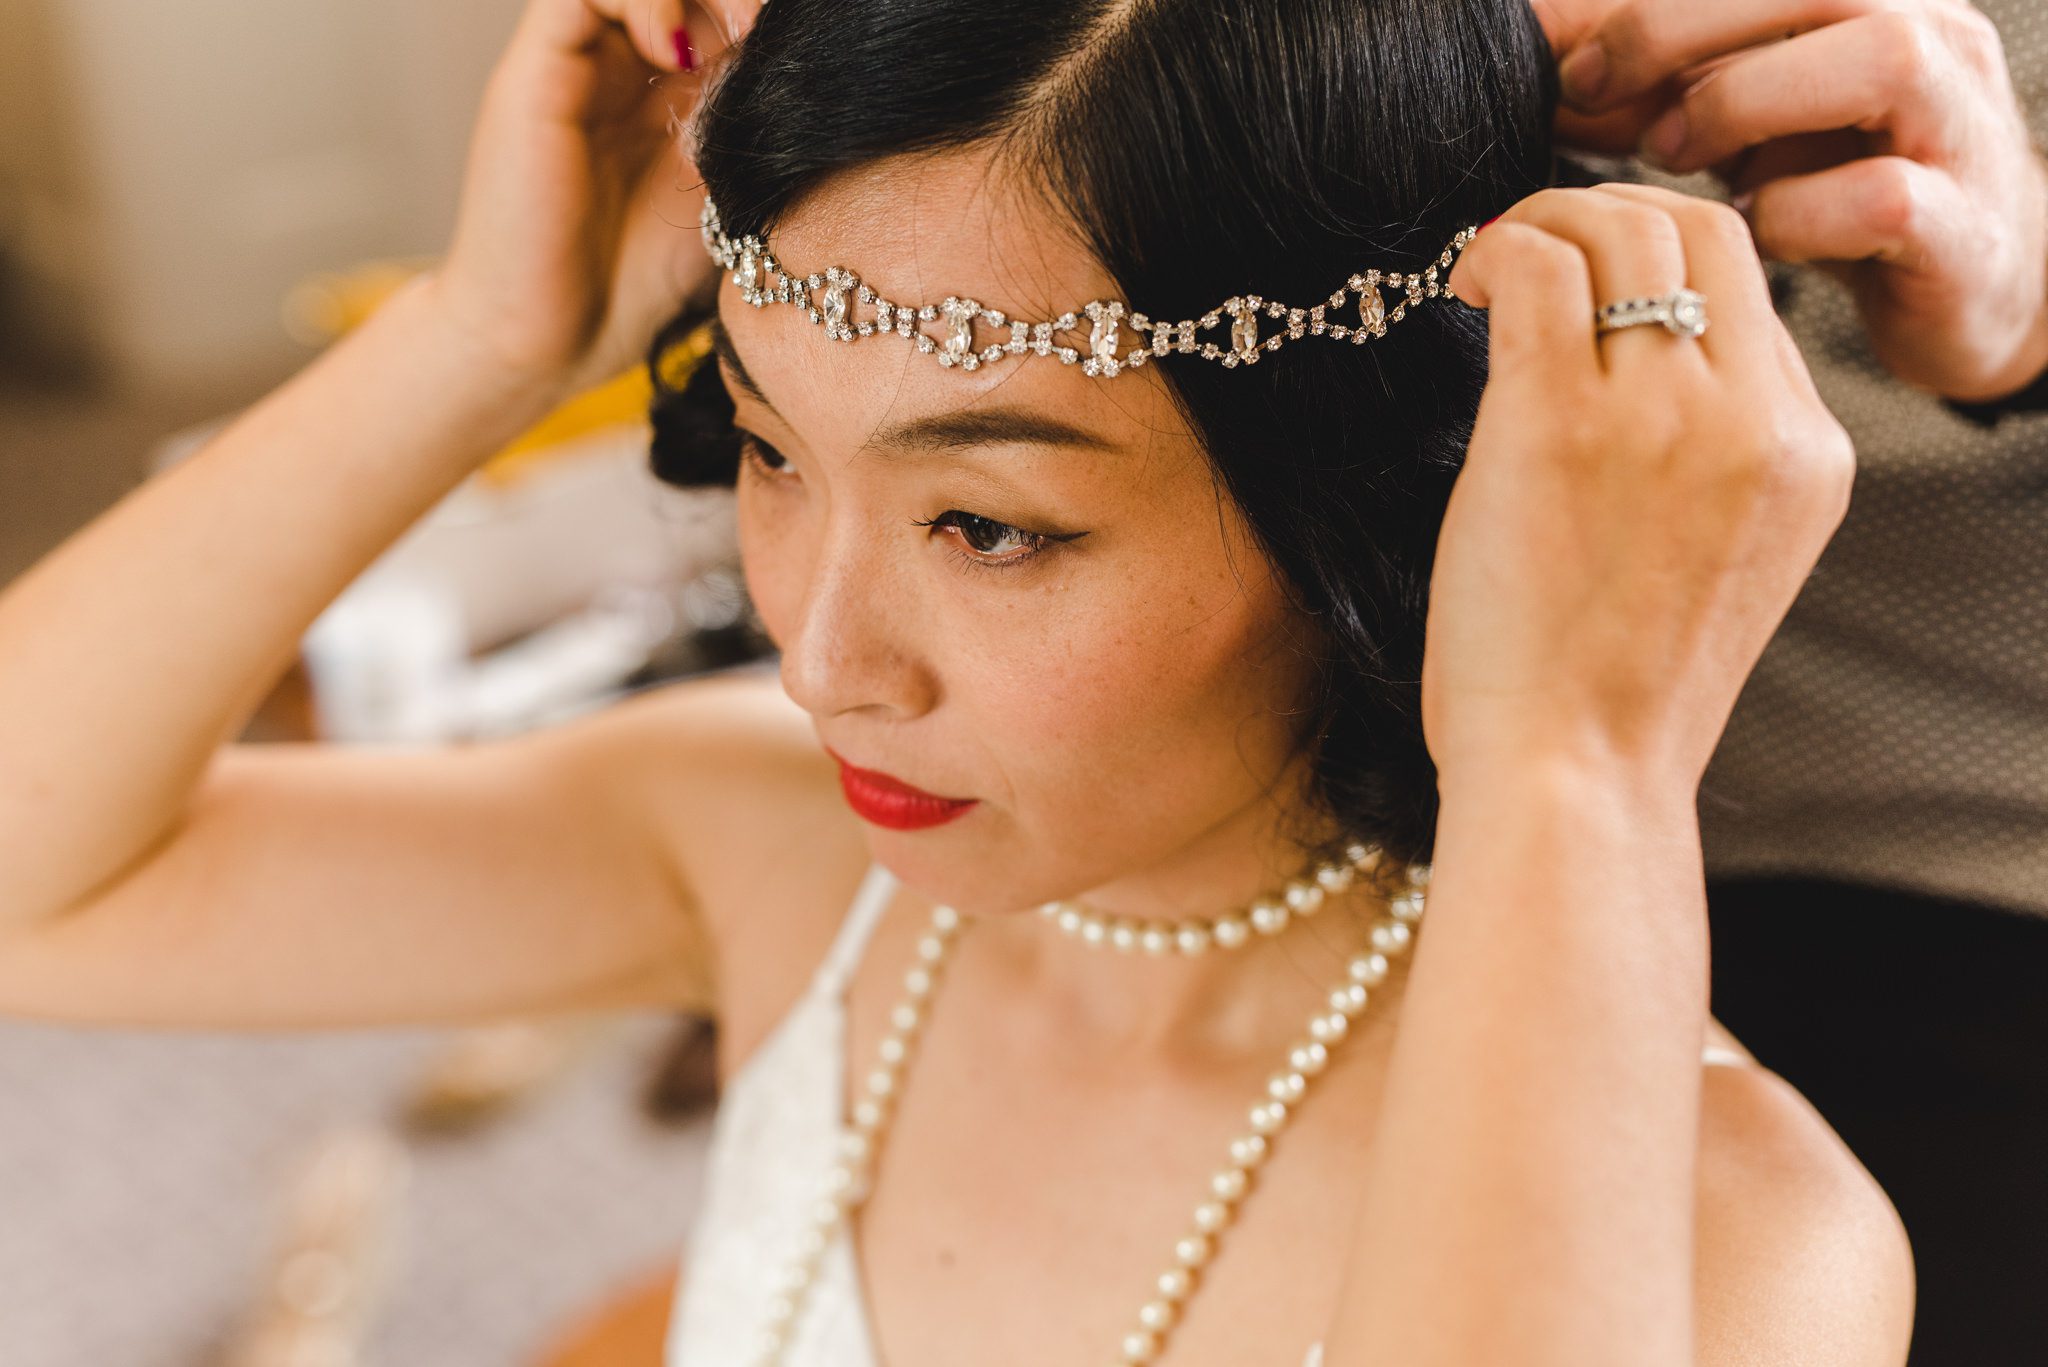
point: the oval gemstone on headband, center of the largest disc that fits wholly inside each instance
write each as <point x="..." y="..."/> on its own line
<point x="1102" y="335"/>
<point x="959" y="316"/>
<point x="1244" y="333"/>
<point x="1372" y="310"/>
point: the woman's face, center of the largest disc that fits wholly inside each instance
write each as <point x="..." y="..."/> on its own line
<point x="1017" y="584"/>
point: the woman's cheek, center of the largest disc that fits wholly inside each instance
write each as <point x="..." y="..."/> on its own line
<point x="1091" y="687"/>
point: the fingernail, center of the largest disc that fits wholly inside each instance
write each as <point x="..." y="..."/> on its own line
<point x="1584" y="73"/>
<point x="1740" y="204"/>
<point x="1494" y="219"/>
<point x="686" y="51"/>
<point x="1664" y="139"/>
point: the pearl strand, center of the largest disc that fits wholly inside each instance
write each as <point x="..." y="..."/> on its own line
<point x="850" y="1179"/>
<point x="1301" y="896"/>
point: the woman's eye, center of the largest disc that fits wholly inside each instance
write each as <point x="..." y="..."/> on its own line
<point x="758" y="453"/>
<point x="983" y="542"/>
<point x="989" y="542"/>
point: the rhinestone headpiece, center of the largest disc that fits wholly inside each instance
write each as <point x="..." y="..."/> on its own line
<point x="828" y="296"/>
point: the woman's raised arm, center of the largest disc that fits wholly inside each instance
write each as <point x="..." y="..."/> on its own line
<point x="1636" y="514"/>
<point x="135" y="651"/>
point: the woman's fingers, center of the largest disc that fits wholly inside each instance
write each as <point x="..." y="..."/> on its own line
<point x="1538" y="293"/>
<point x="733" y="17"/>
<point x="1721" y="263"/>
<point x="657" y="28"/>
<point x="1755" y="354"/>
<point x="1628" y="247"/>
<point x="1633" y="251"/>
<point x="1635" y="241"/>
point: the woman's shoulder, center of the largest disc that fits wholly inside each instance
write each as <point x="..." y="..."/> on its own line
<point x="748" y="805"/>
<point x="1801" y="1256"/>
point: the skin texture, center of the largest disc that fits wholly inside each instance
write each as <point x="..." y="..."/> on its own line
<point x="1122" y="703"/>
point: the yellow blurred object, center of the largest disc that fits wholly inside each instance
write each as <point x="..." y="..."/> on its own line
<point x="617" y="402"/>
<point x="325" y="307"/>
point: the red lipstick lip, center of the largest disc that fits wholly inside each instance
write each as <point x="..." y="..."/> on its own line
<point x="889" y="801"/>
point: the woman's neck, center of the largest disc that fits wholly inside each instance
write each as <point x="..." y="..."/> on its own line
<point x="1220" y="1002"/>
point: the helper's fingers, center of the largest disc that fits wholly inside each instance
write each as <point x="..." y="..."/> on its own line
<point x="1646" y="42"/>
<point x="1890" y="209"/>
<point x="1612" y="132"/>
<point x="1875" y="73"/>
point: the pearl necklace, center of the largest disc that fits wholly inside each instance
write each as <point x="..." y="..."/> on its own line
<point x="849" y="1180"/>
<point x="1268" y="916"/>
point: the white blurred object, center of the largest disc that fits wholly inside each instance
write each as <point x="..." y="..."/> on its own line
<point x="387" y="661"/>
<point x="513" y="604"/>
<point x="566" y="667"/>
<point x="339" y="1255"/>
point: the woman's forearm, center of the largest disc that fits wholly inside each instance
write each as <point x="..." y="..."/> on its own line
<point x="132" y="651"/>
<point x="1531" y="1188"/>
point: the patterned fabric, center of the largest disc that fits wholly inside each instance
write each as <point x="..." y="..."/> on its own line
<point x="777" y="1121"/>
<point x="1895" y="731"/>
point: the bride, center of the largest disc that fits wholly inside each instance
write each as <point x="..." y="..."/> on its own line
<point x="1130" y="942"/>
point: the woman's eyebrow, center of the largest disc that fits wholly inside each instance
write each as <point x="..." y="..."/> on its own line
<point x="1000" y="424"/>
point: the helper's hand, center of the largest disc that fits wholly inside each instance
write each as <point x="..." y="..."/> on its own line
<point x="577" y="233"/>
<point x="1637" y="511"/>
<point x="1879" y="139"/>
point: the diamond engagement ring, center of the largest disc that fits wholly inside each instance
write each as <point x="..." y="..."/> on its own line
<point x="1682" y="312"/>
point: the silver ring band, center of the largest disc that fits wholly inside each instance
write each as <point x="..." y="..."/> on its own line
<point x="1682" y="312"/>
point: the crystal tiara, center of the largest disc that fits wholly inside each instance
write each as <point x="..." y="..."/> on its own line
<point x="827" y="297"/>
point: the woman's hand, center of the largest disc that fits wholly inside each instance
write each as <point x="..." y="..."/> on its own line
<point x="1879" y="139"/>
<point x="577" y="233"/>
<point x="1637" y="510"/>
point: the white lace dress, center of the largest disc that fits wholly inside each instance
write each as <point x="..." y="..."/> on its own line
<point x="774" y="1134"/>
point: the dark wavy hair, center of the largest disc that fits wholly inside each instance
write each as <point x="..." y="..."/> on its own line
<point x="1205" y="148"/>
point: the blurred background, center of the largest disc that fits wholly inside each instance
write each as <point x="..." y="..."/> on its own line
<point x="194" y="199"/>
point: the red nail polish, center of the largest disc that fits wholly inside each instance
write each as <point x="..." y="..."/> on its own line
<point x="1495" y="219"/>
<point x="686" y="51"/>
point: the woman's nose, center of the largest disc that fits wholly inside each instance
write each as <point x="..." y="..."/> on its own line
<point x="855" y="644"/>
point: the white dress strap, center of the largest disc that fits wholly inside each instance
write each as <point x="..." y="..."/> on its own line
<point x="877" y="886"/>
